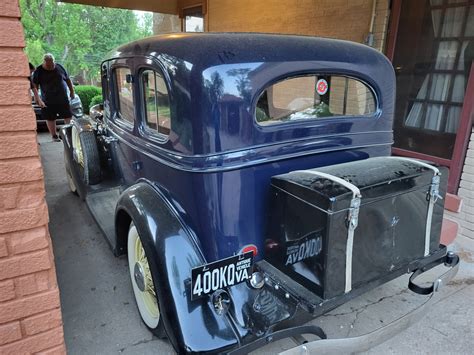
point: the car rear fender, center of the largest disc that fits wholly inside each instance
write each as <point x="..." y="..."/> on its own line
<point x="172" y="251"/>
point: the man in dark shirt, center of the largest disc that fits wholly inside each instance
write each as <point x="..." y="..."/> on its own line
<point x="52" y="79"/>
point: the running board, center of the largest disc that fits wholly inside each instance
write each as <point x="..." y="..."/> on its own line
<point x="101" y="205"/>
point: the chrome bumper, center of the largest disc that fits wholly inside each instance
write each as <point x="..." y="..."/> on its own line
<point x="367" y="341"/>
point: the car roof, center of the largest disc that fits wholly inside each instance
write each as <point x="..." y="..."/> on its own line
<point x="215" y="80"/>
<point x="213" y="48"/>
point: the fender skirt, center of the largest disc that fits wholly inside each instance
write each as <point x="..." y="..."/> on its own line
<point x="172" y="252"/>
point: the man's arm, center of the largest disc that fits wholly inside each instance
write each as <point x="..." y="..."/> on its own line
<point x="35" y="84"/>
<point x="38" y="99"/>
<point x="68" y="81"/>
<point x="71" y="88"/>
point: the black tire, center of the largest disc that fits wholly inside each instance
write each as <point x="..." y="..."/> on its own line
<point x="90" y="170"/>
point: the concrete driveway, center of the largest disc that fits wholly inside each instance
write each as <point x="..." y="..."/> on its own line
<point x="100" y="315"/>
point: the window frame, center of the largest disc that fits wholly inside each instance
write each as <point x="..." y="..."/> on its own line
<point x="456" y="163"/>
<point x="374" y="115"/>
<point x="145" y="130"/>
<point x="197" y="10"/>
<point x="118" y="117"/>
<point x="105" y="77"/>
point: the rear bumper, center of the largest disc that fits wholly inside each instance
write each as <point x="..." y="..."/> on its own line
<point x="367" y="341"/>
<point x="354" y="344"/>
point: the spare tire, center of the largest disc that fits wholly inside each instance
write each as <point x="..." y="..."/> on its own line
<point x="86" y="156"/>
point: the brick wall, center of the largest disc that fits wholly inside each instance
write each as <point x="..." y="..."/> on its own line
<point x="465" y="217"/>
<point x="341" y="19"/>
<point x="30" y="314"/>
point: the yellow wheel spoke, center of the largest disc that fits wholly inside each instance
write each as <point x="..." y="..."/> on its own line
<point x="149" y="294"/>
<point x="151" y="290"/>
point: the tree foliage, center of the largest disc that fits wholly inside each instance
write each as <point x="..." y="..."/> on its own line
<point x="87" y="93"/>
<point x="97" y="99"/>
<point x="79" y="36"/>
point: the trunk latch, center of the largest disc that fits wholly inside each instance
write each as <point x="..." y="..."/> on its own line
<point x="353" y="216"/>
<point x="434" y="189"/>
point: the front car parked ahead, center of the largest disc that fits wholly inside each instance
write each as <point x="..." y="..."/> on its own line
<point x="76" y="109"/>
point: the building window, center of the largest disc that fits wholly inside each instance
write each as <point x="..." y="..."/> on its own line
<point x="193" y="19"/>
<point x="157" y="105"/>
<point x="432" y="60"/>
<point x="314" y="97"/>
<point x="123" y="80"/>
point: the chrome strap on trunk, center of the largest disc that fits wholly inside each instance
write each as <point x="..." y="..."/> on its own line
<point x="352" y="218"/>
<point x="433" y="196"/>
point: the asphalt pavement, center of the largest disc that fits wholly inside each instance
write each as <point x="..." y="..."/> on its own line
<point x="100" y="315"/>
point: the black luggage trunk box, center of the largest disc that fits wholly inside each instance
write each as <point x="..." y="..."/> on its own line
<point x="335" y="228"/>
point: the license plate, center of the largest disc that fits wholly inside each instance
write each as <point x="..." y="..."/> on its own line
<point x="307" y="247"/>
<point x="223" y="273"/>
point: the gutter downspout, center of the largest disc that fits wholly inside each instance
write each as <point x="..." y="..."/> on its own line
<point x="370" y="37"/>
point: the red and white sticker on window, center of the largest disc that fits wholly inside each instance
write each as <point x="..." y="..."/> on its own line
<point x="322" y="87"/>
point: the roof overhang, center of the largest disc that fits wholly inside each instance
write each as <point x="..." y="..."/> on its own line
<point x="162" y="6"/>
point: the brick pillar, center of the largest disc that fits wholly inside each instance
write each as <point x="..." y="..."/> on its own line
<point x="465" y="215"/>
<point x="30" y="314"/>
<point x="382" y="14"/>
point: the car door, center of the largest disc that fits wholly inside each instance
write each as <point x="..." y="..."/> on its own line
<point x="120" y="117"/>
<point x="153" y="120"/>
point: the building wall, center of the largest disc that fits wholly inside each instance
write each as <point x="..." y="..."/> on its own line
<point x="465" y="216"/>
<point x="341" y="19"/>
<point x="30" y="314"/>
<point x="382" y="15"/>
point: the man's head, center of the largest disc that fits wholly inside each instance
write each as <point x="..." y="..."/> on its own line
<point x="48" y="61"/>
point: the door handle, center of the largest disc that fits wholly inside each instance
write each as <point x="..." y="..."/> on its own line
<point x="109" y="140"/>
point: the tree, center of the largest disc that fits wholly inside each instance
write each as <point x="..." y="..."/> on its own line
<point x="242" y="81"/>
<point x="146" y="28"/>
<point x="34" y="50"/>
<point x="79" y="36"/>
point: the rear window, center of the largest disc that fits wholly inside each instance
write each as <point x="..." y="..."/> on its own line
<point x="314" y="97"/>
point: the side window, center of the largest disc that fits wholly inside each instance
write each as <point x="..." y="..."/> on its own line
<point x="124" y="94"/>
<point x="157" y="105"/>
<point x="314" y="97"/>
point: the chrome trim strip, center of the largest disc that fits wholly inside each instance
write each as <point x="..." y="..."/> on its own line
<point x="415" y="161"/>
<point x="182" y="167"/>
<point x="355" y="190"/>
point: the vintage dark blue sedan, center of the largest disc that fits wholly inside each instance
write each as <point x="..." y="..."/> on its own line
<point x="248" y="177"/>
